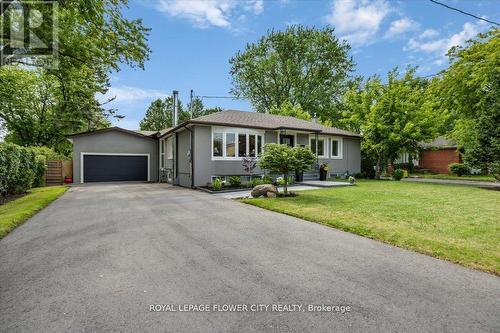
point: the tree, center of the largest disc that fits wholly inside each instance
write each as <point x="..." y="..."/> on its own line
<point x="158" y="116"/>
<point x="94" y="39"/>
<point x="196" y="109"/>
<point x="470" y="92"/>
<point x="283" y="159"/>
<point x="304" y="66"/>
<point x="287" y="109"/>
<point x="392" y="117"/>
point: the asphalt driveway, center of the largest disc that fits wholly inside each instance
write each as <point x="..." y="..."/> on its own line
<point x="97" y="258"/>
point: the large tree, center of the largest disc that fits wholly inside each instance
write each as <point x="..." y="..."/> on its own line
<point x="160" y="113"/>
<point x="393" y="117"/>
<point x="304" y="66"/>
<point x="470" y="92"/>
<point x="94" y="39"/>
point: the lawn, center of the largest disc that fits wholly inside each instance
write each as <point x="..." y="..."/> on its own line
<point x="19" y="210"/>
<point x="481" y="178"/>
<point x="457" y="223"/>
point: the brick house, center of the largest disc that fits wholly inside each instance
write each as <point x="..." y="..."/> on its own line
<point x="435" y="156"/>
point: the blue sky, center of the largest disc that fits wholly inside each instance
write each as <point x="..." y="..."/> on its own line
<point x="192" y="41"/>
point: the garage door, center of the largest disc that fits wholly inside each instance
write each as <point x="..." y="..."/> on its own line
<point x="112" y="168"/>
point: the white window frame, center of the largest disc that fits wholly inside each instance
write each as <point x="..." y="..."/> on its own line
<point x="325" y="145"/>
<point x="340" y="141"/>
<point x="162" y="153"/>
<point x="169" y="149"/>
<point x="236" y="131"/>
<point x="82" y="154"/>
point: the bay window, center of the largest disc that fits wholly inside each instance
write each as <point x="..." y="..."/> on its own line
<point x="217" y="145"/>
<point x="232" y="144"/>
<point x="242" y="145"/>
<point x="252" y="144"/>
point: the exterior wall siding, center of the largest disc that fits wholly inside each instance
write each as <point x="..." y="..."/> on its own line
<point x="205" y="167"/>
<point x="114" y="142"/>
<point x="438" y="160"/>
<point x="184" y="163"/>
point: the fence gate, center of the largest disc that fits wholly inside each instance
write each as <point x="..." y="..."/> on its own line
<point x="53" y="174"/>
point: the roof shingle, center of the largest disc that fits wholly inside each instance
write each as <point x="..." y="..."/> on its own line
<point x="266" y="121"/>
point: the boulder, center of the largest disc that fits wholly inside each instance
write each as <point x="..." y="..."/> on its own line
<point x="263" y="190"/>
<point x="271" y="195"/>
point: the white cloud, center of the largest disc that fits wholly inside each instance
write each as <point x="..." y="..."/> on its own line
<point x="130" y="94"/>
<point x="429" y="33"/>
<point x="401" y="26"/>
<point x="205" y="13"/>
<point x="441" y="46"/>
<point x="358" y="22"/>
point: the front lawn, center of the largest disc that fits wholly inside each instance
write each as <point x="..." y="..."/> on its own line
<point x="19" y="210"/>
<point x="457" y="223"/>
<point x="480" y="178"/>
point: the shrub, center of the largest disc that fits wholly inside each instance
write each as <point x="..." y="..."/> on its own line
<point x="20" y="169"/>
<point x="267" y="180"/>
<point x="40" y="166"/>
<point x="495" y="170"/>
<point x="217" y="184"/>
<point x="458" y="169"/>
<point x="49" y="153"/>
<point x="352" y="180"/>
<point x="397" y="174"/>
<point x="235" y="181"/>
<point x="280" y="181"/>
<point x="255" y="181"/>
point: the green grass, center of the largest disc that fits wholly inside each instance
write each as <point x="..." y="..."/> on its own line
<point x="481" y="178"/>
<point x="19" y="210"/>
<point x="456" y="223"/>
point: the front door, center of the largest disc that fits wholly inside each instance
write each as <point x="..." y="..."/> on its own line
<point x="287" y="140"/>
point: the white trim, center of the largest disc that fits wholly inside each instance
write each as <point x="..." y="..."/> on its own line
<point x="236" y="131"/>
<point x="326" y="145"/>
<point x="340" y="140"/>
<point x="115" y="154"/>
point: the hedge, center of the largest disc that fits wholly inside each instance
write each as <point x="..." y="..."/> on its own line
<point x="21" y="168"/>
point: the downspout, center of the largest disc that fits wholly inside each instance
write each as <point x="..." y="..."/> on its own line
<point x="317" y="158"/>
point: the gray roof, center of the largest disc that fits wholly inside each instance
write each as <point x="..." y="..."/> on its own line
<point x="439" y="142"/>
<point x="266" y="121"/>
<point x="146" y="133"/>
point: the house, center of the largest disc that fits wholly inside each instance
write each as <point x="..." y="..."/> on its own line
<point x="434" y="156"/>
<point x="195" y="152"/>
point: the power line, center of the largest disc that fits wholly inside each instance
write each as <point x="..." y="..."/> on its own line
<point x="463" y="12"/>
<point x="223" y="97"/>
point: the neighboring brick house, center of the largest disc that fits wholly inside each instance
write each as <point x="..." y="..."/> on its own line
<point x="435" y="156"/>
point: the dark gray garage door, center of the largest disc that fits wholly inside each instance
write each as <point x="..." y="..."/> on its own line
<point x="112" y="168"/>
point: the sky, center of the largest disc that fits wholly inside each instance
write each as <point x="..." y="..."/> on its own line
<point x="192" y="40"/>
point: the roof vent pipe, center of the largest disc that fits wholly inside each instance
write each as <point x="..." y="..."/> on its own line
<point x="314" y="118"/>
<point x="175" y="96"/>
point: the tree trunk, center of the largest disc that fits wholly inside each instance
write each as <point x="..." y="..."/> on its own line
<point x="285" y="187"/>
<point x="377" y="169"/>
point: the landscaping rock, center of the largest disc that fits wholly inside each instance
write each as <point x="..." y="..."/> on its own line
<point x="271" y="195"/>
<point x="263" y="190"/>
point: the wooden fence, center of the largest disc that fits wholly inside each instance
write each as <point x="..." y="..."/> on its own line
<point x="57" y="170"/>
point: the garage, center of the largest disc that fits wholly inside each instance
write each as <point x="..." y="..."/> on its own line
<point x="112" y="168"/>
<point x="114" y="154"/>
